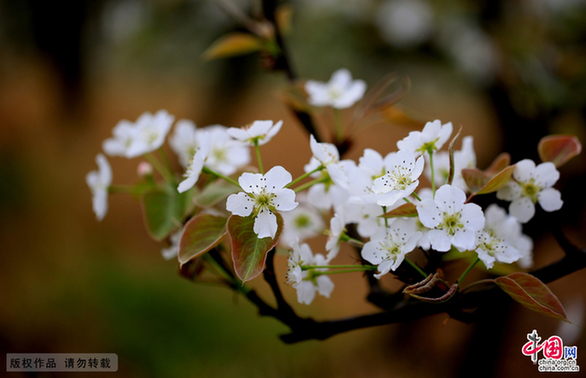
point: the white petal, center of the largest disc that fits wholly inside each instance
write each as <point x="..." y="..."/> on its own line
<point x="265" y="224"/>
<point x="550" y="199"/>
<point x="546" y="174"/>
<point x="383" y="268"/>
<point x="305" y="292"/>
<point x="251" y="182"/>
<point x="464" y="240"/>
<point x="340" y="78"/>
<point x="284" y="200"/>
<point x="440" y="241"/>
<point x="429" y="214"/>
<point x="277" y="178"/>
<point x="325" y="286"/>
<point x="524" y="170"/>
<point x="523" y="209"/>
<point x="472" y="217"/>
<point x="240" y="204"/>
<point x="370" y="252"/>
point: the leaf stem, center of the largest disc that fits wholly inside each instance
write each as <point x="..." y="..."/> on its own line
<point x="307" y="174"/>
<point x="417" y="268"/>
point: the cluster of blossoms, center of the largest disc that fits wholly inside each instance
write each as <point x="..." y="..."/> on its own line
<point x="441" y="218"/>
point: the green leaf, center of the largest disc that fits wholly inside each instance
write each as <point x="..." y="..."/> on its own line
<point x="202" y="233"/>
<point x="214" y="193"/>
<point x="558" y="148"/>
<point x="233" y="44"/>
<point x="164" y="209"/>
<point x="406" y="210"/>
<point x="529" y="291"/>
<point x="248" y="251"/>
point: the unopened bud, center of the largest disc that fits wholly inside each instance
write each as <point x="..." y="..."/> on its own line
<point x="145" y="169"/>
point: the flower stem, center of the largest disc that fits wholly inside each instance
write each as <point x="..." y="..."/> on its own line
<point x="304" y="176"/>
<point x="310" y="184"/>
<point x="416" y="267"/>
<point x="160" y="167"/>
<point x="416" y="197"/>
<point x="432" y="171"/>
<point x="467" y="271"/>
<point x="230" y="180"/>
<point x="257" y="149"/>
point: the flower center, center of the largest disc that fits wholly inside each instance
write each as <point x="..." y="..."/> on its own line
<point x="302" y="221"/>
<point x="451" y="223"/>
<point x="530" y="190"/>
<point x="390" y="249"/>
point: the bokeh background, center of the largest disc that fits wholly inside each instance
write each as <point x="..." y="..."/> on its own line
<point x="509" y="72"/>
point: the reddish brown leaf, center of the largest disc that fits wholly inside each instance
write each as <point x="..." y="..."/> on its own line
<point x="498" y="181"/>
<point x="558" y="148"/>
<point x="202" y="233"/>
<point x="233" y="44"/>
<point x="475" y="179"/>
<point x="248" y="251"/>
<point x="501" y="162"/>
<point x="529" y="291"/>
<point x="406" y="210"/>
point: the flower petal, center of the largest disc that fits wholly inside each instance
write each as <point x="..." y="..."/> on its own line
<point x="265" y="224"/>
<point x="240" y="204"/>
<point x="277" y="178"/>
<point x="550" y="199"/>
<point x="523" y="209"/>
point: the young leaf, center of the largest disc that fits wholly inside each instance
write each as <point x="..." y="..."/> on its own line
<point x="500" y="162"/>
<point x="498" y="181"/>
<point x="202" y="233"/>
<point x="451" y="157"/>
<point x="233" y="44"/>
<point x="406" y="210"/>
<point x="529" y="291"/>
<point x="164" y="209"/>
<point x="249" y="253"/>
<point x="558" y="148"/>
<point x="480" y="182"/>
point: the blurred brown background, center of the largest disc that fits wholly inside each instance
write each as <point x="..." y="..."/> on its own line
<point x="509" y="72"/>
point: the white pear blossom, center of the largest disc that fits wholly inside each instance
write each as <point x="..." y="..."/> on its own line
<point x="371" y="166"/>
<point x="303" y="280"/>
<point x="496" y="241"/>
<point x="150" y="132"/>
<point x="340" y="92"/>
<point x="301" y="223"/>
<point x="123" y="136"/>
<point x="337" y="230"/>
<point x="99" y="181"/>
<point x="259" y="132"/>
<point x="400" y="179"/>
<point x="389" y="245"/>
<point x="226" y="155"/>
<point x="450" y="220"/>
<point x="184" y="140"/>
<point x="196" y="163"/>
<point x="263" y="195"/>
<point x="431" y="138"/>
<point x="531" y="184"/>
